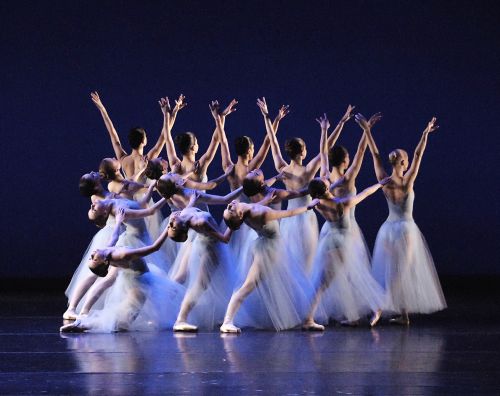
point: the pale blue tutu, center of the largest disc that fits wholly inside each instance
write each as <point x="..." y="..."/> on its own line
<point x="300" y="233"/>
<point x="137" y="302"/>
<point x="342" y="258"/>
<point x="282" y="294"/>
<point x="403" y="264"/>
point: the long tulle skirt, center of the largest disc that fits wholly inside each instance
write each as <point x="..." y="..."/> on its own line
<point x="146" y="302"/>
<point x="99" y="241"/>
<point x="300" y="233"/>
<point x="341" y="265"/>
<point x="210" y="277"/>
<point x="403" y="265"/>
<point x="282" y="294"/>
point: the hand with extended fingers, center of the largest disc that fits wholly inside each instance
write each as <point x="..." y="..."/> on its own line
<point x="97" y="100"/>
<point x="323" y="122"/>
<point x="431" y="126"/>
<point x="283" y="111"/>
<point x="263" y="106"/>
<point x="348" y="114"/>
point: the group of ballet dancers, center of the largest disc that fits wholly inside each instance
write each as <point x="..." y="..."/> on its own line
<point x="262" y="266"/>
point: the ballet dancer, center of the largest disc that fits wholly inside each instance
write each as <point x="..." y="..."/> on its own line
<point x="342" y="283"/>
<point x="402" y="263"/>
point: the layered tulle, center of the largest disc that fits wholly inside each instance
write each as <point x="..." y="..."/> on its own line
<point x="83" y="274"/>
<point x="341" y="265"/>
<point x="282" y="294"/>
<point x="137" y="302"/>
<point x="403" y="264"/>
<point x="210" y="281"/>
<point x="300" y="233"/>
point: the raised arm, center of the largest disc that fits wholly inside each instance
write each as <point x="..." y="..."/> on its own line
<point x="279" y="162"/>
<point x="332" y="139"/>
<point x="272" y="214"/>
<point x="323" y="147"/>
<point x="353" y="201"/>
<point x="411" y="175"/>
<point x="113" y="135"/>
<point x="169" y="116"/>
<point x="261" y="155"/>
<point x="377" y="160"/>
<point x="219" y="125"/>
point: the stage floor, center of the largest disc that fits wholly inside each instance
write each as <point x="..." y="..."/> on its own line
<point x="453" y="352"/>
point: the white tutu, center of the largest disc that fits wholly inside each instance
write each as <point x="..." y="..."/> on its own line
<point x="282" y="294"/>
<point x="137" y="302"/>
<point x="154" y="222"/>
<point x="342" y="258"/>
<point x="300" y="233"/>
<point x="99" y="241"/>
<point x="403" y="264"/>
<point x="209" y="260"/>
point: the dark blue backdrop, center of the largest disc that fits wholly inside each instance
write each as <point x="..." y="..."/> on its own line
<point x="411" y="60"/>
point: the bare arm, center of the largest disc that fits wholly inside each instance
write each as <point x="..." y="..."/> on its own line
<point x="353" y="201"/>
<point x="272" y="214"/>
<point x="209" y="185"/>
<point x="412" y="173"/>
<point x="323" y="148"/>
<point x="219" y="124"/>
<point x="377" y="160"/>
<point x="118" y="227"/>
<point x="219" y="200"/>
<point x="128" y="254"/>
<point x="115" y="139"/>
<point x="168" y="122"/>
<point x="279" y="162"/>
<point x="224" y="238"/>
<point x="147" y="196"/>
<point x="140" y="213"/>
<point x="261" y="155"/>
<point x="332" y="139"/>
<point x="282" y="195"/>
<point x="355" y="167"/>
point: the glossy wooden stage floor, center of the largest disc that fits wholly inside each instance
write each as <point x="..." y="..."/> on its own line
<point x="454" y="352"/>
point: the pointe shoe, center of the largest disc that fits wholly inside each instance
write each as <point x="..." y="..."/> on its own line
<point x="184" y="326"/>
<point x="400" y="321"/>
<point x="349" y="323"/>
<point x="70" y="314"/>
<point x="75" y="327"/>
<point x="313" y="326"/>
<point x="229" y="328"/>
<point x="375" y="318"/>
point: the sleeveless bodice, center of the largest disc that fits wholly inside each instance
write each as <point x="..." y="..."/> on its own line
<point x="403" y="210"/>
<point x="343" y="223"/>
<point x="271" y="230"/>
<point x="136" y="227"/>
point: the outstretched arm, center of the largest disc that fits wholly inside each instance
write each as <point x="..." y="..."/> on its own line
<point x="140" y="213"/>
<point x="377" y="160"/>
<point x="353" y="201"/>
<point x="219" y="200"/>
<point x="209" y="185"/>
<point x="118" y="227"/>
<point x="169" y="117"/>
<point x="279" y="162"/>
<point x="147" y="195"/>
<point x="222" y="237"/>
<point x="129" y="254"/>
<point x="411" y="175"/>
<point x="261" y="155"/>
<point x="272" y="214"/>
<point x="115" y="139"/>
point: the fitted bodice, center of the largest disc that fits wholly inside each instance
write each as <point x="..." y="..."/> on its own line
<point x="270" y="230"/>
<point x="402" y="210"/>
<point x="136" y="227"/>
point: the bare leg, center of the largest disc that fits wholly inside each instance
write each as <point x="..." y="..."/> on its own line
<point x="326" y="279"/>
<point x="193" y="294"/>
<point x="98" y="288"/>
<point x="182" y="272"/>
<point x="78" y="294"/>
<point x="238" y="297"/>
